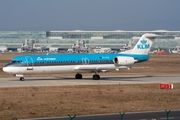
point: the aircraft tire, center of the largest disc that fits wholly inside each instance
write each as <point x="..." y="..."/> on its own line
<point x="21" y="79"/>
<point x="78" y="76"/>
<point x="96" y="77"/>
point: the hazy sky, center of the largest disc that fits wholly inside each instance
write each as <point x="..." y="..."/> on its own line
<point x="104" y="15"/>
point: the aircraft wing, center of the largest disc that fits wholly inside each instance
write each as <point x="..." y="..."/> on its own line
<point x="100" y="68"/>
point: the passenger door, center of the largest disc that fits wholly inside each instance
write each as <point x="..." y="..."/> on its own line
<point x="29" y="63"/>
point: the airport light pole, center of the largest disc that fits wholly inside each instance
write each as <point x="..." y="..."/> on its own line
<point x="14" y="118"/>
<point x="167" y="114"/>
<point x="70" y="117"/>
<point x="121" y="115"/>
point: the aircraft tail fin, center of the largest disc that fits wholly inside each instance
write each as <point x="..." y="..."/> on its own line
<point x="144" y="44"/>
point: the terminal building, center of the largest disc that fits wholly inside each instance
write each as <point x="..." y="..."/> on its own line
<point x="61" y="40"/>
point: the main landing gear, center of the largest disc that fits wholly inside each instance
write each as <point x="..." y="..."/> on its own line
<point x="95" y="76"/>
<point x="21" y="79"/>
<point x="78" y="76"/>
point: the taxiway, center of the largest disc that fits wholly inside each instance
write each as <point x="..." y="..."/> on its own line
<point x="87" y="80"/>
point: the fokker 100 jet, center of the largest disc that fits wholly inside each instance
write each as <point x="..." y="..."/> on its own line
<point x="80" y="63"/>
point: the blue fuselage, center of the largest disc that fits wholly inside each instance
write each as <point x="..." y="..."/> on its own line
<point x="70" y="59"/>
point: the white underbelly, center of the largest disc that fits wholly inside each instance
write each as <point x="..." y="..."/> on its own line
<point x="56" y="69"/>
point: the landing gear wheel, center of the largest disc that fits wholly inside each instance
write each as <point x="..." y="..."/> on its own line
<point x="78" y="76"/>
<point x="96" y="77"/>
<point x="21" y="79"/>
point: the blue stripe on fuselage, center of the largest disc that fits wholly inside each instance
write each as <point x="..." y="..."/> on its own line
<point x="77" y="57"/>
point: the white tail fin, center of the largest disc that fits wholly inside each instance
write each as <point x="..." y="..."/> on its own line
<point x="144" y="44"/>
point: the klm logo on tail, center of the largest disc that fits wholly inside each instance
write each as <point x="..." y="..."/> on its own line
<point x="143" y="45"/>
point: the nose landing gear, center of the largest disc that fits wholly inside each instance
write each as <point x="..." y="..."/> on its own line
<point x="21" y="76"/>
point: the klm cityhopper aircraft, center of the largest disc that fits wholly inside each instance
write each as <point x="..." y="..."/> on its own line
<point x="79" y="63"/>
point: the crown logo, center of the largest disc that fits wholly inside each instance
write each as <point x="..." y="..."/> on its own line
<point x="39" y="58"/>
<point x="143" y="42"/>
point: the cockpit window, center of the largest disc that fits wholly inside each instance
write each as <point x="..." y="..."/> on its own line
<point x="13" y="61"/>
<point x="16" y="61"/>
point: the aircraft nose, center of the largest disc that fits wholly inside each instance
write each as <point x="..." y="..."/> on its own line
<point x="6" y="69"/>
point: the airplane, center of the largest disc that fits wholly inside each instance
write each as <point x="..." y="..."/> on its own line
<point x="80" y="63"/>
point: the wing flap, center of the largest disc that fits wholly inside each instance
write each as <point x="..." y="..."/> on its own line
<point x="93" y="67"/>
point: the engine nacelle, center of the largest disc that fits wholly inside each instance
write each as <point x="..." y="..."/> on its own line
<point x="123" y="60"/>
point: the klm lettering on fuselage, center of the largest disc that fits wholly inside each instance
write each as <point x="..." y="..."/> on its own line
<point x="39" y="58"/>
<point x="143" y="45"/>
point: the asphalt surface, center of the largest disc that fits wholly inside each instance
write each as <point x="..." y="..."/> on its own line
<point x="105" y="80"/>
<point x="158" y="115"/>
